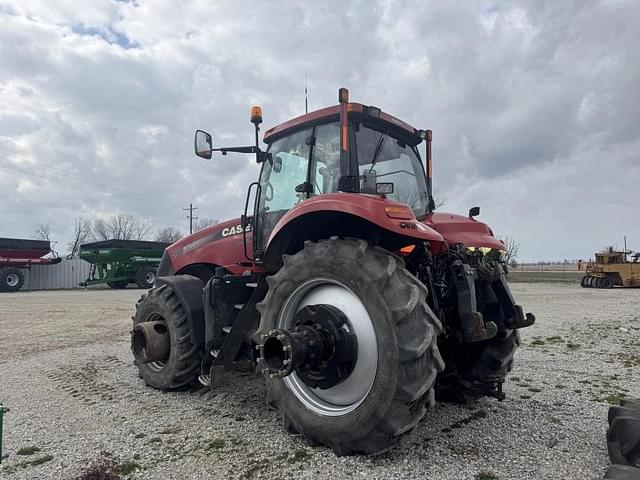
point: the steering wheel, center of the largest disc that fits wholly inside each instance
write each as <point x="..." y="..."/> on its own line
<point x="268" y="192"/>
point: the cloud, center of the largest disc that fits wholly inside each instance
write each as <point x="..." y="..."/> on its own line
<point x="532" y="105"/>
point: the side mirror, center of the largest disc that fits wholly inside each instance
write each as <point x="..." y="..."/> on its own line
<point x="474" y="212"/>
<point x="203" y="144"/>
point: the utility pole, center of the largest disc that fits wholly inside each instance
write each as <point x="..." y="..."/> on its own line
<point x="190" y="216"/>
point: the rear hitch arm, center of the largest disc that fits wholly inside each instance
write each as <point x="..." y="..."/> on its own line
<point x="473" y="325"/>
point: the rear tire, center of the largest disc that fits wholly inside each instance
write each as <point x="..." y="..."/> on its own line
<point x="584" y="281"/>
<point x="182" y="366"/>
<point x="402" y="326"/>
<point x="11" y="279"/>
<point x="145" y="277"/>
<point x="477" y="367"/>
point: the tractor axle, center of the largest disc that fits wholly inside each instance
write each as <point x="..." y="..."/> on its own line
<point x="319" y="348"/>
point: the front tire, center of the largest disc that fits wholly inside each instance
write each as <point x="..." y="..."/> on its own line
<point x="474" y="370"/>
<point x="182" y="365"/>
<point x="398" y="360"/>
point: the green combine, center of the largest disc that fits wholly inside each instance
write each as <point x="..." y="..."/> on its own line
<point x="119" y="263"/>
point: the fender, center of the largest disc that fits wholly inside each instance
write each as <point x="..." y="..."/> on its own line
<point x="189" y="290"/>
<point x="386" y="222"/>
<point x="460" y="229"/>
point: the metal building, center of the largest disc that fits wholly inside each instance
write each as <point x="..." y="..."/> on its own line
<point x="66" y="274"/>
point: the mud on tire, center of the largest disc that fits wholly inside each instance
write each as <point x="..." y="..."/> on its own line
<point x="406" y="333"/>
<point x="181" y="367"/>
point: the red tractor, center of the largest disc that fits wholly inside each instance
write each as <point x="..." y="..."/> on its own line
<point x="358" y="303"/>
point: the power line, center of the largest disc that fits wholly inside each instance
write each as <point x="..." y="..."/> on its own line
<point x="190" y="216"/>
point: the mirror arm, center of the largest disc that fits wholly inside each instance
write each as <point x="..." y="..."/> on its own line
<point x="261" y="155"/>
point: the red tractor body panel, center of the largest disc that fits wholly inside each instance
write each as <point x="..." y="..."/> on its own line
<point x="367" y="207"/>
<point x="220" y="245"/>
<point x="460" y="229"/>
<point x="223" y="245"/>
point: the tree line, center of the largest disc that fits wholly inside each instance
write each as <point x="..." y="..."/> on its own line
<point x="117" y="227"/>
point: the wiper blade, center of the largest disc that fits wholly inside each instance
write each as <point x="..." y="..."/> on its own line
<point x="377" y="150"/>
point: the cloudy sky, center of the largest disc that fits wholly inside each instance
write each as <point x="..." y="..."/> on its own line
<point x="535" y="106"/>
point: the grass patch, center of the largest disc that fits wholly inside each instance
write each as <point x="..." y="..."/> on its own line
<point x="215" y="444"/>
<point x="538" y="341"/>
<point x="485" y="475"/>
<point x="476" y="415"/>
<point x="155" y="440"/>
<point x="555" y="339"/>
<point x="560" y="386"/>
<point x="300" y="455"/>
<point x="535" y="389"/>
<point x="525" y="397"/>
<point x="239" y="418"/>
<point x="555" y="420"/>
<point x="27" y="450"/>
<point x="125" y="468"/>
<point x="631" y="361"/>
<point x="171" y="430"/>
<point x="41" y="460"/>
<point x="614" y="398"/>
<point x="573" y="346"/>
<point x="515" y="379"/>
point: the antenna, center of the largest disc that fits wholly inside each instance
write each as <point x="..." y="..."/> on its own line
<point x="306" y="103"/>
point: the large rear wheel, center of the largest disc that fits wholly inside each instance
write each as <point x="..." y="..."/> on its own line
<point x="386" y="392"/>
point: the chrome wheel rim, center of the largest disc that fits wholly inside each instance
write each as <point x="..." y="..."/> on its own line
<point x="352" y="391"/>
<point x="150" y="278"/>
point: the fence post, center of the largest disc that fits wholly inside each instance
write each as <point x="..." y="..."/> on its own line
<point x="3" y="410"/>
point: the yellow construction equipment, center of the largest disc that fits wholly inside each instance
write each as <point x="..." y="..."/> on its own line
<point x="611" y="268"/>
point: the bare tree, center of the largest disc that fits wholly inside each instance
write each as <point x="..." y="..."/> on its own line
<point x="121" y="227"/>
<point x="43" y="232"/>
<point x="202" y="223"/>
<point x="81" y="233"/>
<point x="438" y="198"/>
<point x="169" y="235"/>
<point x="512" y="247"/>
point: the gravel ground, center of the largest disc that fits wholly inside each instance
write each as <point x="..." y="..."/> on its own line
<point x="66" y="373"/>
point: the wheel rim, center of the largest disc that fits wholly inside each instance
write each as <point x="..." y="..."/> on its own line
<point x="12" y="280"/>
<point x="150" y="277"/>
<point x="156" y="317"/>
<point x="351" y="392"/>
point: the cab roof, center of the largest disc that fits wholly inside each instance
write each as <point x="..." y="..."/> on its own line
<point x="333" y="112"/>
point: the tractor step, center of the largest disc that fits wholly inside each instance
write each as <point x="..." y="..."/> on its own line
<point x="205" y="380"/>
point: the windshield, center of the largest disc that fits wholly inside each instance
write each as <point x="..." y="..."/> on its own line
<point x="383" y="159"/>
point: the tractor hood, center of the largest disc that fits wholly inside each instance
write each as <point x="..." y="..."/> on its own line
<point x="460" y="229"/>
<point x="219" y="245"/>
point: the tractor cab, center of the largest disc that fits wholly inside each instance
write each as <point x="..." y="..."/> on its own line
<point x="349" y="148"/>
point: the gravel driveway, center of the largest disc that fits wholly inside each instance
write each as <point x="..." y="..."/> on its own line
<point x="66" y="373"/>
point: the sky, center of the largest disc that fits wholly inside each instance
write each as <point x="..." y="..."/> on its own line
<point x="534" y="106"/>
